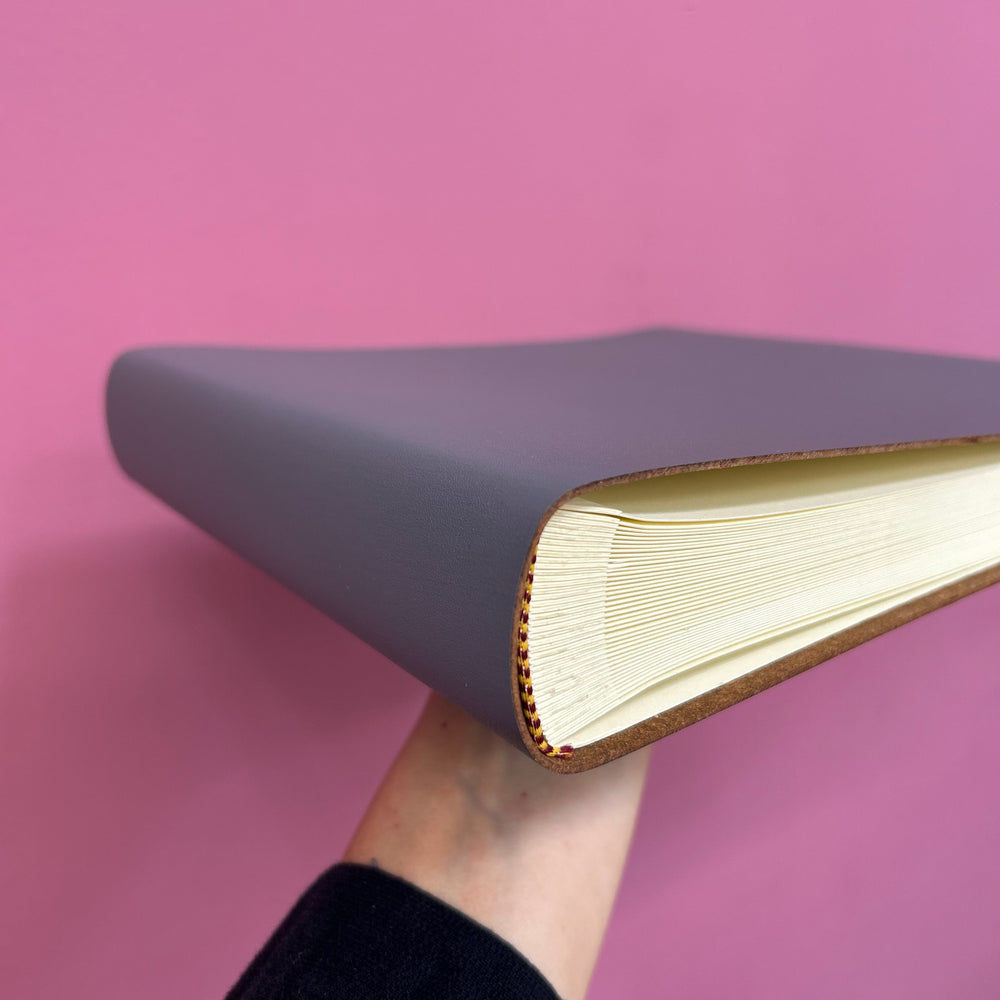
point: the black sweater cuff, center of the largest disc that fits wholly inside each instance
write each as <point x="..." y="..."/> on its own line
<point x="359" y="933"/>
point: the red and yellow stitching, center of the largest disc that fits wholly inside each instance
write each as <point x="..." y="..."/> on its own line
<point x="524" y="675"/>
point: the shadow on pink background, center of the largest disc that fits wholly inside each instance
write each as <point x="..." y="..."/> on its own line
<point x="178" y="735"/>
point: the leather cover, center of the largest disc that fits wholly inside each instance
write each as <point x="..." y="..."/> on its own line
<point x="402" y="491"/>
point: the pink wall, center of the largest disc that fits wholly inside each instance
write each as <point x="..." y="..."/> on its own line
<point x="174" y="733"/>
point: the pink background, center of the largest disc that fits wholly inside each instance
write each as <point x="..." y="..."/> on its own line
<point x="175" y="739"/>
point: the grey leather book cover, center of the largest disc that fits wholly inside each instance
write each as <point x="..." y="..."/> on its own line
<point x="402" y="491"/>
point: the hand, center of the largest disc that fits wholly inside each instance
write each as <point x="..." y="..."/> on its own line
<point x="533" y="855"/>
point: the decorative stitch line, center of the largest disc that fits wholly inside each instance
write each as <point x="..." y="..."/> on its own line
<point x="524" y="675"/>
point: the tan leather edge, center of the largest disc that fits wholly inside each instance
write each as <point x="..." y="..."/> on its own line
<point x="655" y="728"/>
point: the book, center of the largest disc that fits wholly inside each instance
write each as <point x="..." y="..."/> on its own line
<point x="586" y="544"/>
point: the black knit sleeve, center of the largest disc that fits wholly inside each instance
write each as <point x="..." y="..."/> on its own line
<point x="359" y="933"/>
